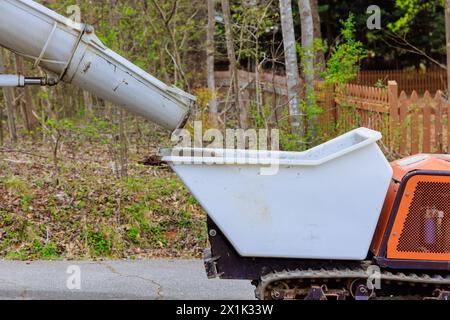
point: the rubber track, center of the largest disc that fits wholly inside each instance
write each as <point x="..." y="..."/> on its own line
<point x="345" y="274"/>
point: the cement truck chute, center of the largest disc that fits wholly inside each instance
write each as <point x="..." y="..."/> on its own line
<point x="71" y="52"/>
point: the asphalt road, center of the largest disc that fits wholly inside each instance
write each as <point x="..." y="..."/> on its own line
<point x="137" y="280"/>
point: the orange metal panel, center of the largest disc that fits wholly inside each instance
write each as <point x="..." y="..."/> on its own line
<point x="401" y="169"/>
<point x="420" y="162"/>
<point x="384" y="218"/>
<point x="421" y="230"/>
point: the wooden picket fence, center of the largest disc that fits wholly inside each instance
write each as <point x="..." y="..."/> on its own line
<point x="430" y="80"/>
<point x="410" y="122"/>
<point x="420" y="123"/>
<point x="272" y="91"/>
<point x="362" y="106"/>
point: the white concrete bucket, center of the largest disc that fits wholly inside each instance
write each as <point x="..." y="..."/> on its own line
<point x="320" y="204"/>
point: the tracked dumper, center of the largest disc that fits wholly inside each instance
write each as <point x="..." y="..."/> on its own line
<point x="335" y="222"/>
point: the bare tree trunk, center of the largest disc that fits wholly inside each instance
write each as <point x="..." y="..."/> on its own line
<point x="88" y="102"/>
<point x="176" y="56"/>
<point x="46" y="107"/>
<point x="28" y="107"/>
<point x="123" y="145"/>
<point x="308" y="65"/>
<point x="7" y="92"/>
<point x="1" y="125"/>
<point x="447" y="35"/>
<point x="319" y="55"/>
<point x="293" y="79"/>
<point x="243" y="112"/>
<point x="210" y="50"/>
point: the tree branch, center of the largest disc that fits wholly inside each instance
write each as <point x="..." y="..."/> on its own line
<point x="404" y="44"/>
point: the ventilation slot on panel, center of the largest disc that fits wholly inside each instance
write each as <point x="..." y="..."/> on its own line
<point x="427" y="225"/>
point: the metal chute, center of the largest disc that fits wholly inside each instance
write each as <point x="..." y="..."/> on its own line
<point x="71" y="52"/>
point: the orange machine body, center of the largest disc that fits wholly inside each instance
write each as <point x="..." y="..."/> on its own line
<point x="414" y="227"/>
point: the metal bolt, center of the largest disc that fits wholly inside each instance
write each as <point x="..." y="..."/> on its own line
<point x="213" y="233"/>
<point x="89" y="29"/>
<point x="362" y="289"/>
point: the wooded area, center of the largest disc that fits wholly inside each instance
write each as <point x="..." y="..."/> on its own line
<point x="72" y="163"/>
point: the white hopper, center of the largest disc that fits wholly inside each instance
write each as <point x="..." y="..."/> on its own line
<point x="321" y="204"/>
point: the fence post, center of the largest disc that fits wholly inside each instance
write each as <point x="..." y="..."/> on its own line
<point x="331" y="93"/>
<point x="393" y="110"/>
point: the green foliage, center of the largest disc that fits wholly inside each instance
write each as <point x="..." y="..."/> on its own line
<point x="380" y="84"/>
<point x="343" y="65"/>
<point x="99" y="242"/>
<point x="252" y="29"/>
<point x="419" y="29"/>
<point x="46" y="252"/>
<point x="16" y="185"/>
<point x="410" y="10"/>
<point x="133" y="234"/>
